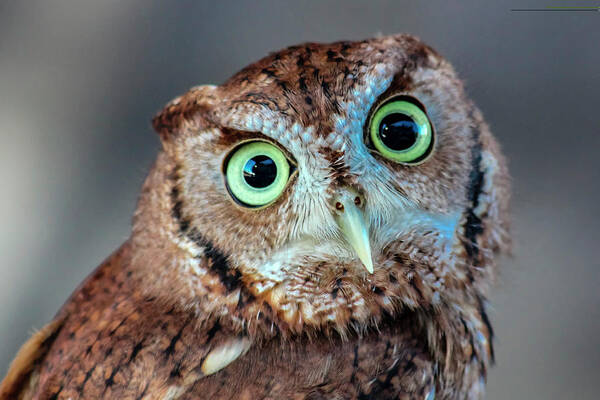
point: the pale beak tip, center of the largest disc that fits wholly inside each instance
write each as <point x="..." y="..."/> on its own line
<point x="368" y="265"/>
<point x="363" y="250"/>
<point x="364" y="255"/>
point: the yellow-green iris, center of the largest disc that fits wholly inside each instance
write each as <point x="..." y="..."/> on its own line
<point x="257" y="173"/>
<point x="401" y="132"/>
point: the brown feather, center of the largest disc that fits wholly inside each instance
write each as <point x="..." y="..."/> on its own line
<point x="22" y="374"/>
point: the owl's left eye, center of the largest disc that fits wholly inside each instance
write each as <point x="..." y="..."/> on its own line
<point x="257" y="173"/>
<point x="401" y="131"/>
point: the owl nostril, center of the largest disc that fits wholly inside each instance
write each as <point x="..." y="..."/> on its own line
<point x="339" y="206"/>
<point x="357" y="201"/>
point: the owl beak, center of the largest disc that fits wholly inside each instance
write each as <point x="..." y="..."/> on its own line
<point x="351" y="221"/>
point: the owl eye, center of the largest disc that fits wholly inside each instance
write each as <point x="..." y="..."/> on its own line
<point x="400" y="131"/>
<point x="257" y="173"/>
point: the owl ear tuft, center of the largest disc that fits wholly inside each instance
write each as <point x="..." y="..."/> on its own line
<point x="183" y="109"/>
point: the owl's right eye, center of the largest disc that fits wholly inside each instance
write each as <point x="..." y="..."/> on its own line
<point x="257" y="173"/>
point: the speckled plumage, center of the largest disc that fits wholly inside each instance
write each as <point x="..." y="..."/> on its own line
<point x="275" y="289"/>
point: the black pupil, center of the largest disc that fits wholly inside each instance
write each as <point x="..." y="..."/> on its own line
<point x="260" y="171"/>
<point x="398" y="131"/>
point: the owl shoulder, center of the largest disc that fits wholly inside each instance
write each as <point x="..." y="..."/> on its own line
<point x="111" y="340"/>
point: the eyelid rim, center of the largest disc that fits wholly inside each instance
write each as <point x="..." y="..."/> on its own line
<point x="258" y="138"/>
<point x="398" y="97"/>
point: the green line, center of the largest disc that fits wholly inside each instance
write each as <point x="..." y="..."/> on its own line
<point x="572" y="7"/>
<point x="557" y="9"/>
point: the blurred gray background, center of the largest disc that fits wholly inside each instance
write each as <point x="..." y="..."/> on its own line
<point x="80" y="80"/>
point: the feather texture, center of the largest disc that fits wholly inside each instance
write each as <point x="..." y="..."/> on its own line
<point x="209" y="298"/>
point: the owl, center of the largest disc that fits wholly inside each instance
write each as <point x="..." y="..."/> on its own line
<point x="323" y="225"/>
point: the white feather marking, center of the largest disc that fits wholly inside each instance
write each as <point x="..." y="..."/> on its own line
<point x="223" y="355"/>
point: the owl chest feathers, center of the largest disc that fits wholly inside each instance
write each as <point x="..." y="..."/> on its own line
<point x="111" y="340"/>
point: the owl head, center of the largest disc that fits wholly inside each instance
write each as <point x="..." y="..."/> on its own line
<point x="326" y="186"/>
